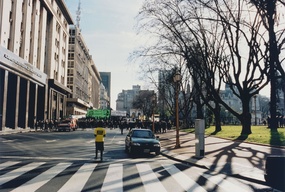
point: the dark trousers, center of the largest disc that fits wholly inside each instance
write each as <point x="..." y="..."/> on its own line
<point x="99" y="146"/>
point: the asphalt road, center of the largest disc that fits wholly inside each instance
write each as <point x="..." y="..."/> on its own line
<point x="64" y="161"/>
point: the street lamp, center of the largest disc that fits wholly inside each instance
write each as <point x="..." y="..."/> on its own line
<point x="153" y="99"/>
<point x="255" y="118"/>
<point x="177" y="79"/>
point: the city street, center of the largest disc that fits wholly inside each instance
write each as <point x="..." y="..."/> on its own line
<point x="64" y="161"/>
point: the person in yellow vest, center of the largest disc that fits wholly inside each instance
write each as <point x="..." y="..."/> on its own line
<point x="99" y="133"/>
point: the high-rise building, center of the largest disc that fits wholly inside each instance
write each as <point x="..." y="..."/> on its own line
<point x="106" y="80"/>
<point x="33" y="61"/>
<point x="83" y="77"/>
<point x="126" y="98"/>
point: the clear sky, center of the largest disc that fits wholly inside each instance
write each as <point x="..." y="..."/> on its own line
<point x="108" y="30"/>
<point x="107" y="27"/>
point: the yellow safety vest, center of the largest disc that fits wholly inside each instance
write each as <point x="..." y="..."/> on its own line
<point x="99" y="133"/>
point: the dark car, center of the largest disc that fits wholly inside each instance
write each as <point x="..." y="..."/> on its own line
<point x="142" y="141"/>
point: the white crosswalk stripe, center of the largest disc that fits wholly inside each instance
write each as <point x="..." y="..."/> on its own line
<point x="114" y="179"/>
<point x="8" y="164"/>
<point x="42" y="179"/>
<point x="81" y="175"/>
<point x="223" y="183"/>
<point x="186" y="182"/>
<point x="149" y="179"/>
<point x="17" y="172"/>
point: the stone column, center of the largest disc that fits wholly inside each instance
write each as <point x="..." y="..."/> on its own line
<point x="27" y="104"/>
<point x="58" y="95"/>
<point x="46" y="101"/>
<point x="36" y="102"/>
<point x="5" y="94"/>
<point x="17" y="102"/>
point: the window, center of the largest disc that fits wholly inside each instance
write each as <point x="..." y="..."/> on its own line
<point x="70" y="56"/>
<point x="72" y="32"/>
<point x="69" y="80"/>
<point x="70" y="72"/>
<point x="71" y="64"/>
<point x="71" y="40"/>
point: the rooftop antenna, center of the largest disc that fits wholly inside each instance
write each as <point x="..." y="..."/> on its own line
<point x="78" y="12"/>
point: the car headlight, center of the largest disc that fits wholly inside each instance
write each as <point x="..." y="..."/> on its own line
<point x="156" y="145"/>
<point x="136" y="144"/>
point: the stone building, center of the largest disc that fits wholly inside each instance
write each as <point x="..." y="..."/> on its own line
<point x="33" y="61"/>
<point x="126" y="98"/>
<point x="83" y="78"/>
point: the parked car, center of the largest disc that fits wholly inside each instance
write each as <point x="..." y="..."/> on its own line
<point x="67" y="125"/>
<point x="141" y="141"/>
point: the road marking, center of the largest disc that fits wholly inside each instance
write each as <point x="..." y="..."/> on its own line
<point x="113" y="139"/>
<point x="51" y="141"/>
<point x="184" y="181"/>
<point x="8" y="141"/>
<point x="221" y="181"/>
<point x="42" y="179"/>
<point x="149" y="179"/>
<point x="50" y="158"/>
<point x="91" y="141"/>
<point x="17" y="172"/>
<point x="114" y="179"/>
<point x="78" y="180"/>
<point x="8" y="164"/>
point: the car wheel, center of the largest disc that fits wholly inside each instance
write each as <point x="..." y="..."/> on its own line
<point x="157" y="153"/>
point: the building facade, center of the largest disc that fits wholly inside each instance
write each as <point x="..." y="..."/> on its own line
<point x="106" y="81"/>
<point x="126" y="98"/>
<point x="33" y="61"/>
<point x="83" y="79"/>
<point x="104" y="98"/>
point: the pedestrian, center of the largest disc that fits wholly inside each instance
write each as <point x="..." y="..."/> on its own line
<point x="99" y="133"/>
<point x="121" y="125"/>
<point x="46" y="125"/>
<point x="36" y="125"/>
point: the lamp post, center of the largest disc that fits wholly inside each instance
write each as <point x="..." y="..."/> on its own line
<point x="255" y="118"/>
<point x="177" y="79"/>
<point x="153" y="102"/>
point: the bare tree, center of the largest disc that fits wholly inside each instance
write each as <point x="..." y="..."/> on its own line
<point x="239" y="55"/>
<point x="146" y="101"/>
<point x="230" y="43"/>
<point x="163" y="57"/>
<point x="268" y="10"/>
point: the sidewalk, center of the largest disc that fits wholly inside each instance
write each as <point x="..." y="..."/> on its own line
<point x="221" y="155"/>
<point x="8" y="131"/>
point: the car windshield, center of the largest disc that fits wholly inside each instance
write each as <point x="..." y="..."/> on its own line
<point x="142" y="134"/>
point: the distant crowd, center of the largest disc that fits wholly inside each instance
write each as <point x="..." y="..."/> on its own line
<point x="158" y="126"/>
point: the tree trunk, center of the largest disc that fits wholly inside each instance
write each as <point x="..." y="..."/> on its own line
<point x="217" y="113"/>
<point x="273" y="59"/>
<point x="246" y="123"/>
<point x="199" y="110"/>
<point x="246" y="117"/>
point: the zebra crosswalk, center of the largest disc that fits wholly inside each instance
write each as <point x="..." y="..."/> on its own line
<point x="18" y="176"/>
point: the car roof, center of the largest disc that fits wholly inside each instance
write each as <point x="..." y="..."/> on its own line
<point x="139" y="129"/>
